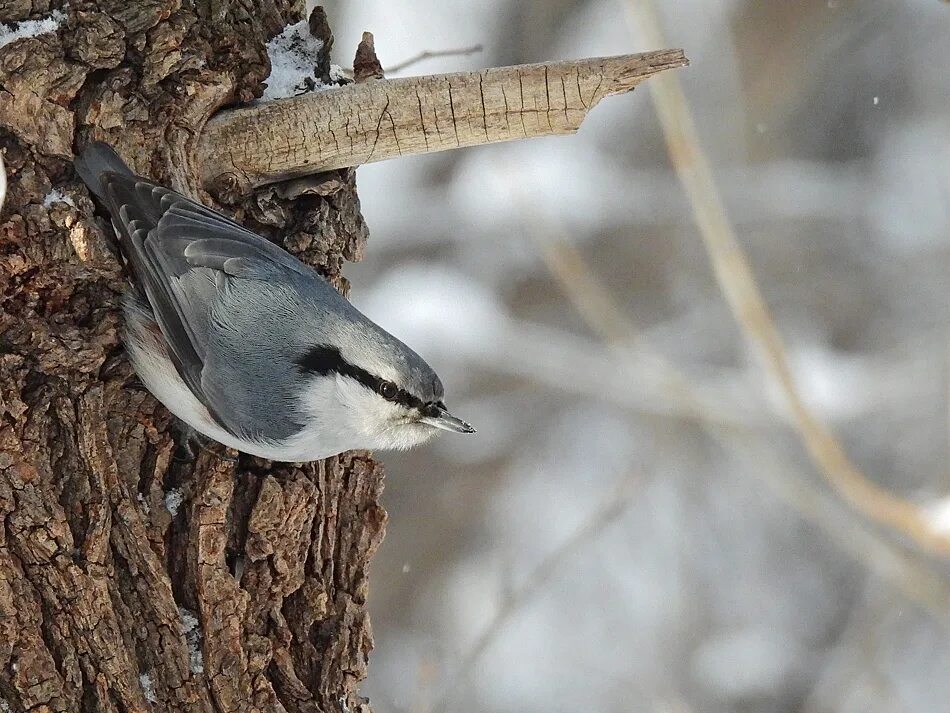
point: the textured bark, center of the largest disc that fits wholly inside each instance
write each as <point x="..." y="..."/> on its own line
<point x="134" y="577"/>
<point x="376" y="120"/>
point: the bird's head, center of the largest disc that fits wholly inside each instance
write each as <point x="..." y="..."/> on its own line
<point x="372" y="389"/>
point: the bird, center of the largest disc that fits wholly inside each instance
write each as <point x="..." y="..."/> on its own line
<point x="248" y="345"/>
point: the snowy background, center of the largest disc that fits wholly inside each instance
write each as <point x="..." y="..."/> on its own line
<point x="600" y="545"/>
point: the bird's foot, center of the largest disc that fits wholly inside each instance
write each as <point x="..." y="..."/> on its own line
<point x="190" y="442"/>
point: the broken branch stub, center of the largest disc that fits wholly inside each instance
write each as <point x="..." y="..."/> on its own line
<point x="376" y="120"/>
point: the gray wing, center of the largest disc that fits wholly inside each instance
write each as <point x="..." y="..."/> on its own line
<point x="185" y="257"/>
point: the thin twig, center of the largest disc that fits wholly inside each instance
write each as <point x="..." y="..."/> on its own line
<point x="609" y="513"/>
<point x="750" y="310"/>
<point x="432" y="54"/>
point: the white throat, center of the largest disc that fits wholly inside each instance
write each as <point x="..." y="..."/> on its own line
<point x="341" y="414"/>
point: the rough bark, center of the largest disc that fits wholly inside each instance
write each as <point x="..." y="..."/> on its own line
<point x="134" y="577"/>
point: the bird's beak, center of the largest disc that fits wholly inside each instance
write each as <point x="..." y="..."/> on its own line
<point x="447" y="422"/>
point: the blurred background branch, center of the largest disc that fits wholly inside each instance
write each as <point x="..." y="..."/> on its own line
<point x="737" y="281"/>
<point x="909" y="572"/>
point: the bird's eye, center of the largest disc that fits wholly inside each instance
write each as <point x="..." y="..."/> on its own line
<point x="388" y="390"/>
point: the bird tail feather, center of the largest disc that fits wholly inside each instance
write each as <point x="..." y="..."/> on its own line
<point x="97" y="159"/>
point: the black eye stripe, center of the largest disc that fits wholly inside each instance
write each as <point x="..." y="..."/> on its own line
<point x="406" y="399"/>
<point x="323" y="360"/>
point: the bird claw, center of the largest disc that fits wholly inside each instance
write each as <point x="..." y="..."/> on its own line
<point x="191" y="441"/>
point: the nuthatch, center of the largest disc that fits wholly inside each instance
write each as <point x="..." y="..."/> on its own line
<point x="248" y="345"/>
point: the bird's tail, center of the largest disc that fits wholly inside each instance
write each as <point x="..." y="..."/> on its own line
<point x="96" y="159"/>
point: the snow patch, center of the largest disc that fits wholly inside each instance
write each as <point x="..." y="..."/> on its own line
<point x="57" y="196"/>
<point x="173" y="500"/>
<point x="191" y="630"/>
<point x="31" y="28"/>
<point x="292" y="56"/>
<point x="146" y="682"/>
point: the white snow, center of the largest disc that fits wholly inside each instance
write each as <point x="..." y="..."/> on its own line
<point x="173" y="500"/>
<point x="189" y="622"/>
<point x="292" y="56"/>
<point x="57" y="196"/>
<point x="146" y="682"/>
<point x="191" y="630"/>
<point x="196" y="662"/>
<point x="30" y="28"/>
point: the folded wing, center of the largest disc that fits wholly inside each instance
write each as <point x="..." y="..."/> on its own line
<point x="183" y="255"/>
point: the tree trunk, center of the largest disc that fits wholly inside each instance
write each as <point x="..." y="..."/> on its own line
<point x="133" y="576"/>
